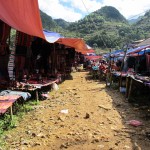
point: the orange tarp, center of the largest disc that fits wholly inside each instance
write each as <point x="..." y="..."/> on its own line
<point x="88" y="51"/>
<point x="93" y="57"/>
<point x="76" y="43"/>
<point x="23" y="15"/>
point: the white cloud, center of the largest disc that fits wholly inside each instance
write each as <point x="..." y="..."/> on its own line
<point x="75" y="9"/>
<point x="129" y="8"/>
<point x="56" y="10"/>
<point x="86" y="5"/>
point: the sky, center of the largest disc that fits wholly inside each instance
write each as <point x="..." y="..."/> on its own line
<point x="74" y="10"/>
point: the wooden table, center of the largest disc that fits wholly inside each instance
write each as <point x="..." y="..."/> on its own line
<point x="6" y="102"/>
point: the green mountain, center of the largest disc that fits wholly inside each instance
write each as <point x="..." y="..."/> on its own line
<point x="101" y="27"/>
<point x="98" y="20"/>
<point x="56" y="25"/>
<point x="62" y="23"/>
<point x="104" y="28"/>
<point x="47" y="21"/>
<point x="110" y="14"/>
<point x="144" y="24"/>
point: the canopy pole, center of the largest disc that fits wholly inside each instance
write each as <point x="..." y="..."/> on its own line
<point x="122" y="65"/>
<point x="53" y="67"/>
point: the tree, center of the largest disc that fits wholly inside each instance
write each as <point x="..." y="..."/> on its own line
<point x="95" y="45"/>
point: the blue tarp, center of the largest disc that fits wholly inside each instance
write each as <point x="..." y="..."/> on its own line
<point x="114" y="53"/>
<point x="51" y="36"/>
<point x="138" y="49"/>
<point x="25" y="95"/>
<point x="117" y="51"/>
<point x="144" y="52"/>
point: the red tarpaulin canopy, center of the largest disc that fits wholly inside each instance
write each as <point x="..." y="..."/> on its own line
<point x="93" y="57"/>
<point x="76" y="43"/>
<point x="23" y="15"/>
<point x="88" y="51"/>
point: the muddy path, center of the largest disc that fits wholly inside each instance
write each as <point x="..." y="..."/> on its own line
<point x="85" y="115"/>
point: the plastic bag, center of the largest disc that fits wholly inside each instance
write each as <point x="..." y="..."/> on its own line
<point x="55" y="87"/>
<point x="135" y="123"/>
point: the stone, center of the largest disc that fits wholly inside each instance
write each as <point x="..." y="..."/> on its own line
<point x="8" y="137"/>
<point x="41" y="135"/>
<point x="104" y="107"/>
<point x="95" y="140"/>
<point x="62" y="118"/>
<point x="87" y="116"/>
<point x="37" y="144"/>
<point x="51" y="118"/>
<point x="28" y="132"/>
<point x="127" y="147"/>
<point x="76" y="116"/>
<point x="34" y="134"/>
<point x="63" y="146"/>
<point x="136" y="146"/>
<point x="100" y="146"/>
<point x="96" y="133"/>
<point x="24" y="143"/>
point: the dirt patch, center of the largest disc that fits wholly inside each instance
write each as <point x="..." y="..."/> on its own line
<point x="85" y="115"/>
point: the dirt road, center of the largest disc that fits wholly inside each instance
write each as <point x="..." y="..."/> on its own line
<point x="85" y="115"/>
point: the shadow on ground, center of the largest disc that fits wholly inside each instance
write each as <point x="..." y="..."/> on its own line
<point x="140" y="135"/>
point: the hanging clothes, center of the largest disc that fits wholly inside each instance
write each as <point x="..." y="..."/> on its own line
<point x="148" y="62"/>
<point x="4" y="49"/>
<point x="4" y="34"/>
<point x="23" y="42"/>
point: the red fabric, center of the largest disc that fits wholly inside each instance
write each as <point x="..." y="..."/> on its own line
<point x="6" y="102"/>
<point x="88" y="51"/>
<point x="93" y="57"/>
<point x="102" y="67"/>
<point x="23" y="15"/>
<point x="76" y="43"/>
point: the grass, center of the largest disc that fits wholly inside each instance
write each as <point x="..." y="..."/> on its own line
<point x="6" y="123"/>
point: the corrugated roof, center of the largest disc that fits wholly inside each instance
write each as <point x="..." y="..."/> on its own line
<point x="144" y="43"/>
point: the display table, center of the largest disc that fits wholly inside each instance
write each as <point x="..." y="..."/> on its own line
<point x="6" y="102"/>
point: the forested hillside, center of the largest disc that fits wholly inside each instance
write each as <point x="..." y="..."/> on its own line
<point x="47" y="21"/>
<point x="104" y="28"/>
<point x="56" y="25"/>
<point x="62" y="23"/>
<point x="144" y="24"/>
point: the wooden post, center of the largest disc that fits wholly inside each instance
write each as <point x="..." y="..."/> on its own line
<point x="127" y="80"/>
<point x="11" y="112"/>
<point x="54" y="59"/>
<point x="130" y="89"/>
<point x="120" y="81"/>
<point x="37" y="95"/>
<point x="108" y="74"/>
<point x="122" y="65"/>
<point x="111" y="76"/>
